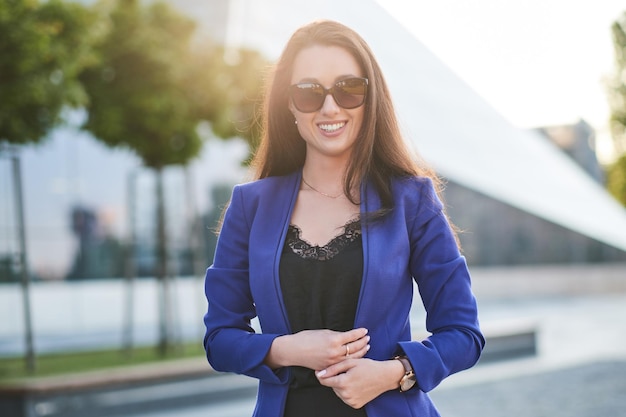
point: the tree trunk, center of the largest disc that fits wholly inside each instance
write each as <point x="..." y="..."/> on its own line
<point x="25" y="278"/>
<point x="162" y="273"/>
<point x="130" y="268"/>
<point x="196" y="242"/>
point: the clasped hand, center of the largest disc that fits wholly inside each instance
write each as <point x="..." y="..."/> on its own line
<point x="319" y="349"/>
<point x="339" y="363"/>
<point x="338" y="360"/>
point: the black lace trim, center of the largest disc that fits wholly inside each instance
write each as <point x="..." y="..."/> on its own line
<point x="351" y="232"/>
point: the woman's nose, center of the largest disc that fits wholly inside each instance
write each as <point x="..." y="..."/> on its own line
<point x="330" y="106"/>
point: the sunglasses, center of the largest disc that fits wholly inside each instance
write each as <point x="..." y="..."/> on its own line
<point x="348" y="94"/>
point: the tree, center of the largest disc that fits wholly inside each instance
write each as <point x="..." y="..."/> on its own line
<point x="616" y="179"/>
<point x="238" y="82"/>
<point x="616" y="175"/>
<point x="42" y="49"/>
<point x="149" y="91"/>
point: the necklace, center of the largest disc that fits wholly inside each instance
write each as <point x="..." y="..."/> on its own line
<point x="319" y="192"/>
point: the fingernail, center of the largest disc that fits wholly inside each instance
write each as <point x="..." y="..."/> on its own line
<point x="368" y="338"/>
<point x="321" y="373"/>
<point x="368" y="347"/>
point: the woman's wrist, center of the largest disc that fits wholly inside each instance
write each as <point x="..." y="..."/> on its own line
<point x="396" y="372"/>
<point x="277" y="355"/>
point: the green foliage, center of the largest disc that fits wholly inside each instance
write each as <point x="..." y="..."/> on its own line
<point x="616" y="174"/>
<point x="616" y="179"/>
<point x="245" y="94"/>
<point x="237" y="83"/>
<point x="42" y="49"/>
<point x="617" y="91"/>
<point x="136" y="95"/>
<point x="154" y="83"/>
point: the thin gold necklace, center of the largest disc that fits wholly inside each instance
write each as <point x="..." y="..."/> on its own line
<point x="320" y="192"/>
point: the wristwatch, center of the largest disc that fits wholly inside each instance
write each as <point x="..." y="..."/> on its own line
<point x="408" y="380"/>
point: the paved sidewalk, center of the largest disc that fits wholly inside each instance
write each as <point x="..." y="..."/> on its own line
<point x="589" y="390"/>
<point x="579" y="371"/>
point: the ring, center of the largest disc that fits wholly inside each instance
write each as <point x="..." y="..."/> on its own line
<point x="347" y="350"/>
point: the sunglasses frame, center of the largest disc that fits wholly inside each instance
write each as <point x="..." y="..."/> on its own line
<point x="328" y="91"/>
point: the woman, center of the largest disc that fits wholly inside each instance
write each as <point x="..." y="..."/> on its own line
<point x="323" y="248"/>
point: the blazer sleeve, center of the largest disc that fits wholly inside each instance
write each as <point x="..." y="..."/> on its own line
<point x="444" y="284"/>
<point x="230" y="342"/>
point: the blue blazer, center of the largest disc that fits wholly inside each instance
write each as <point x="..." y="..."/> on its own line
<point x="412" y="242"/>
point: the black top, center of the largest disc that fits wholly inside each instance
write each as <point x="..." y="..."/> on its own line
<point x="320" y="286"/>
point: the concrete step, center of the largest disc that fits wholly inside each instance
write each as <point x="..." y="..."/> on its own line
<point x="509" y="339"/>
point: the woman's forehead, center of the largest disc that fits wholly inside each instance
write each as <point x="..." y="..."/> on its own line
<point x="324" y="64"/>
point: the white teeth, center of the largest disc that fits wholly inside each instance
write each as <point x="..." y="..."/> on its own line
<point x="332" y="127"/>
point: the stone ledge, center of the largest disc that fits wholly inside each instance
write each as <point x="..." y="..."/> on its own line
<point x="509" y="339"/>
<point x="125" y="375"/>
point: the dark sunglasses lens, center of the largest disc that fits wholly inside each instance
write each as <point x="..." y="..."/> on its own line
<point x="350" y="93"/>
<point x="307" y="97"/>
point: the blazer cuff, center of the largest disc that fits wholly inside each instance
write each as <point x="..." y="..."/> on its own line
<point x="258" y="347"/>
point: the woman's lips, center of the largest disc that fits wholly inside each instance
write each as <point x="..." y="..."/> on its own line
<point x="331" y="128"/>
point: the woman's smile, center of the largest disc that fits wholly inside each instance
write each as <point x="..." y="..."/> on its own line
<point x="331" y="127"/>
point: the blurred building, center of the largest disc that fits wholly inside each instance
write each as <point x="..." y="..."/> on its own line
<point x="578" y="141"/>
<point x="494" y="233"/>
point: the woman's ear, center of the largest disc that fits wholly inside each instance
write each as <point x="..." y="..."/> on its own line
<point x="293" y="113"/>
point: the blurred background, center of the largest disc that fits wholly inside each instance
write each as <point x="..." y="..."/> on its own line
<point x="125" y="124"/>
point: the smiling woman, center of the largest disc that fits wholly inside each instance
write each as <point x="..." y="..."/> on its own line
<point x="325" y="246"/>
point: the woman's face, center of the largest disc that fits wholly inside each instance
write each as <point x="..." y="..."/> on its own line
<point x="332" y="130"/>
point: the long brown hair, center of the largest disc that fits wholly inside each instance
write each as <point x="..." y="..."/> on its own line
<point x="380" y="153"/>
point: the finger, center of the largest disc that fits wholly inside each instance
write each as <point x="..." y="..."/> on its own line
<point x="353" y="335"/>
<point x="359" y="353"/>
<point x="336" y="369"/>
<point x="356" y="348"/>
<point x="353" y="341"/>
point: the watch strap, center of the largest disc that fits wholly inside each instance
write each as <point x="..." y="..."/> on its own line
<point x="408" y="379"/>
<point x="405" y="363"/>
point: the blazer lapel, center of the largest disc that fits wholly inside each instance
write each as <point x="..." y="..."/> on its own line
<point x="290" y="195"/>
<point x="270" y="227"/>
<point x="370" y="202"/>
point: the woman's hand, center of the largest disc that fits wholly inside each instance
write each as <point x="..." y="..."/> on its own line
<point x="359" y="381"/>
<point x="317" y="349"/>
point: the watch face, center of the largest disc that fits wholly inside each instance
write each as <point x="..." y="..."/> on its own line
<point x="407" y="382"/>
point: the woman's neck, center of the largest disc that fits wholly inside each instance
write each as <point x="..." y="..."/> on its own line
<point x="325" y="174"/>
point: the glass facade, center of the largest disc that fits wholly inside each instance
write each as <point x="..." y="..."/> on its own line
<point x="83" y="202"/>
